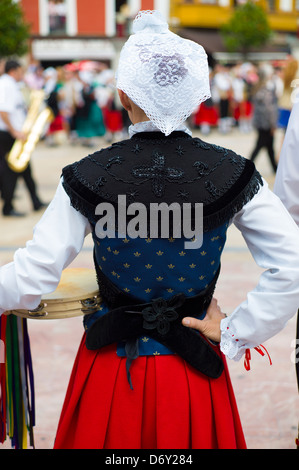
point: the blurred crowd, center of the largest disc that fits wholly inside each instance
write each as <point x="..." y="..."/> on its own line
<point x="86" y="105"/>
<point x="237" y="101"/>
<point x="83" y="98"/>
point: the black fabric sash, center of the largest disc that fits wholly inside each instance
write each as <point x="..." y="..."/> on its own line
<point x="161" y="320"/>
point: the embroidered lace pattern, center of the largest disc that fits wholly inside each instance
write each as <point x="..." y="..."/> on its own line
<point x="230" y="344"/>
<point x="165" y="75"/>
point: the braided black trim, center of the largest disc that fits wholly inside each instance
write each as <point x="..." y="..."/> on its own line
<point x="216" y="213"/>
<point x="233" y="200"/>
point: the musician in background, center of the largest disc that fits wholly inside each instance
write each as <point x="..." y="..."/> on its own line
<point x="12" y="116"/>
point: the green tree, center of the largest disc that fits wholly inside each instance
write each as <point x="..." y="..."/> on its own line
<point x="14" y="32"/>
<point x="246" y="29"/>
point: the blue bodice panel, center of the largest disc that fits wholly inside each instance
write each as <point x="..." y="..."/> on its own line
<point x="150" y="268"/>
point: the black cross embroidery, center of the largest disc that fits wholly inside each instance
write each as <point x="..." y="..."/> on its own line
<point x="158" y="173"/>
<point x="136" y="149"/>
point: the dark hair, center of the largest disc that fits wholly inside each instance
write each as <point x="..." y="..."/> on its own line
<point x="11" y="65"/>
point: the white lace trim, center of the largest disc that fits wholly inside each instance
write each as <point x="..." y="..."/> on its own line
<point x="165" y="75"/>
<point x="230" y="344"/>
<point x="148" y="126"/>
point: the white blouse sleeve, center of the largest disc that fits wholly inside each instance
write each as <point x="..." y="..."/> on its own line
<point x="36" y="269"/>
<point x="286" y="185"/>
<point x="273" y="239"/>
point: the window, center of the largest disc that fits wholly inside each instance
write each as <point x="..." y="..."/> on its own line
<point x="57" y="11"/>
<point x="58" y="17"/>
<point x="271" y="5"/>
<point x="286" y="5"/>
<point x="122" y="16"/>
<point x="209" y="2"/>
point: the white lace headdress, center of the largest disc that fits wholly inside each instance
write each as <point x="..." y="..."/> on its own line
<point x="165" y="75"/>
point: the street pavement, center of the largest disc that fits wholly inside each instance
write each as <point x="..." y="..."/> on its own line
<point x="266" y="395"/>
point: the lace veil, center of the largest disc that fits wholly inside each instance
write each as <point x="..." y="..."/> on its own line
<point x="165" y="75"/>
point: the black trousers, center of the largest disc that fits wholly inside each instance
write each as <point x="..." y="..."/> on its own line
<point x="9" y="178"/>
<point x="265" y="139"/>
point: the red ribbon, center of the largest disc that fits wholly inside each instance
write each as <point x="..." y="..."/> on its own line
<point x="260" y="351"/>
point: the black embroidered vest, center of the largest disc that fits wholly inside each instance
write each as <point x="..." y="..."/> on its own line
<point x="151" y="168"/>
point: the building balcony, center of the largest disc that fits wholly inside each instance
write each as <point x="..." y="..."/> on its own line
<point x="283" y="15"/>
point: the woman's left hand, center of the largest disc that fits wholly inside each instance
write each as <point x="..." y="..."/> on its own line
<point x="210" y="325"/>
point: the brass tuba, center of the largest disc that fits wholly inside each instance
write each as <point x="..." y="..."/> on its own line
<point x="36" y="119"/>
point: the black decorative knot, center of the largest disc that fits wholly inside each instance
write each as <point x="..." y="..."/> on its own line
<point x="202" y="168"/>
<point x="160" y="314"/>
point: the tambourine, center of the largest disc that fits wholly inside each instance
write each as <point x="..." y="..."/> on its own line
<point x="76" y="294"/>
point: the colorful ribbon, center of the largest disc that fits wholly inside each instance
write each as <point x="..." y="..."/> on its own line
<point x="17" y="401"/>
<point x="259" y="349"/>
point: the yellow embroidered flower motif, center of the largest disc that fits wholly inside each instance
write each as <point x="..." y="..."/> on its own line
<point x="148" y="290"/>
<point x="126" y="265"/>
<point x="103" y="258"/>
<point x="108" y="248"/>
<point x="182" y="279"/>
<point x="212" y="263"/>
<point x="190" y="290"/>
<point x="156" y="353"/>
<point x="170" y="291"/>
<point x="115" y="252"/>
<point x="148" y="266"/>
<point x="126" y="289"/>
<point x="159" y="278"/>
<point x="137" y="279"/>
<point x="137" y="254"/>
<point x="160" y="253"/>
<point x="148" y="240"/>
<point x="113" y="273"/>
<point x="203" y="253"/>
<point x="171" y="266"/>
<point x="125" y="240"/>
<point x="182" y="253"/>
<point x="215" y="238"/>
<point x="192" y="265"/>
<point x="201" y="278"/>
<point x="171" y="239"/>
<point x="144" y="339"/>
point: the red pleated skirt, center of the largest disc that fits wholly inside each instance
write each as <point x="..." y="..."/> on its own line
<point x="171" y="406"/>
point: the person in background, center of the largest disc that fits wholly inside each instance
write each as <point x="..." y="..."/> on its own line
<point x="265" y="114"/>
<point x="34" y="76"/>
<point x="285" y="104"/>
<point x="89" y="121"/>
<point x="221" y="94"/>
<point x="12" y="116"/>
